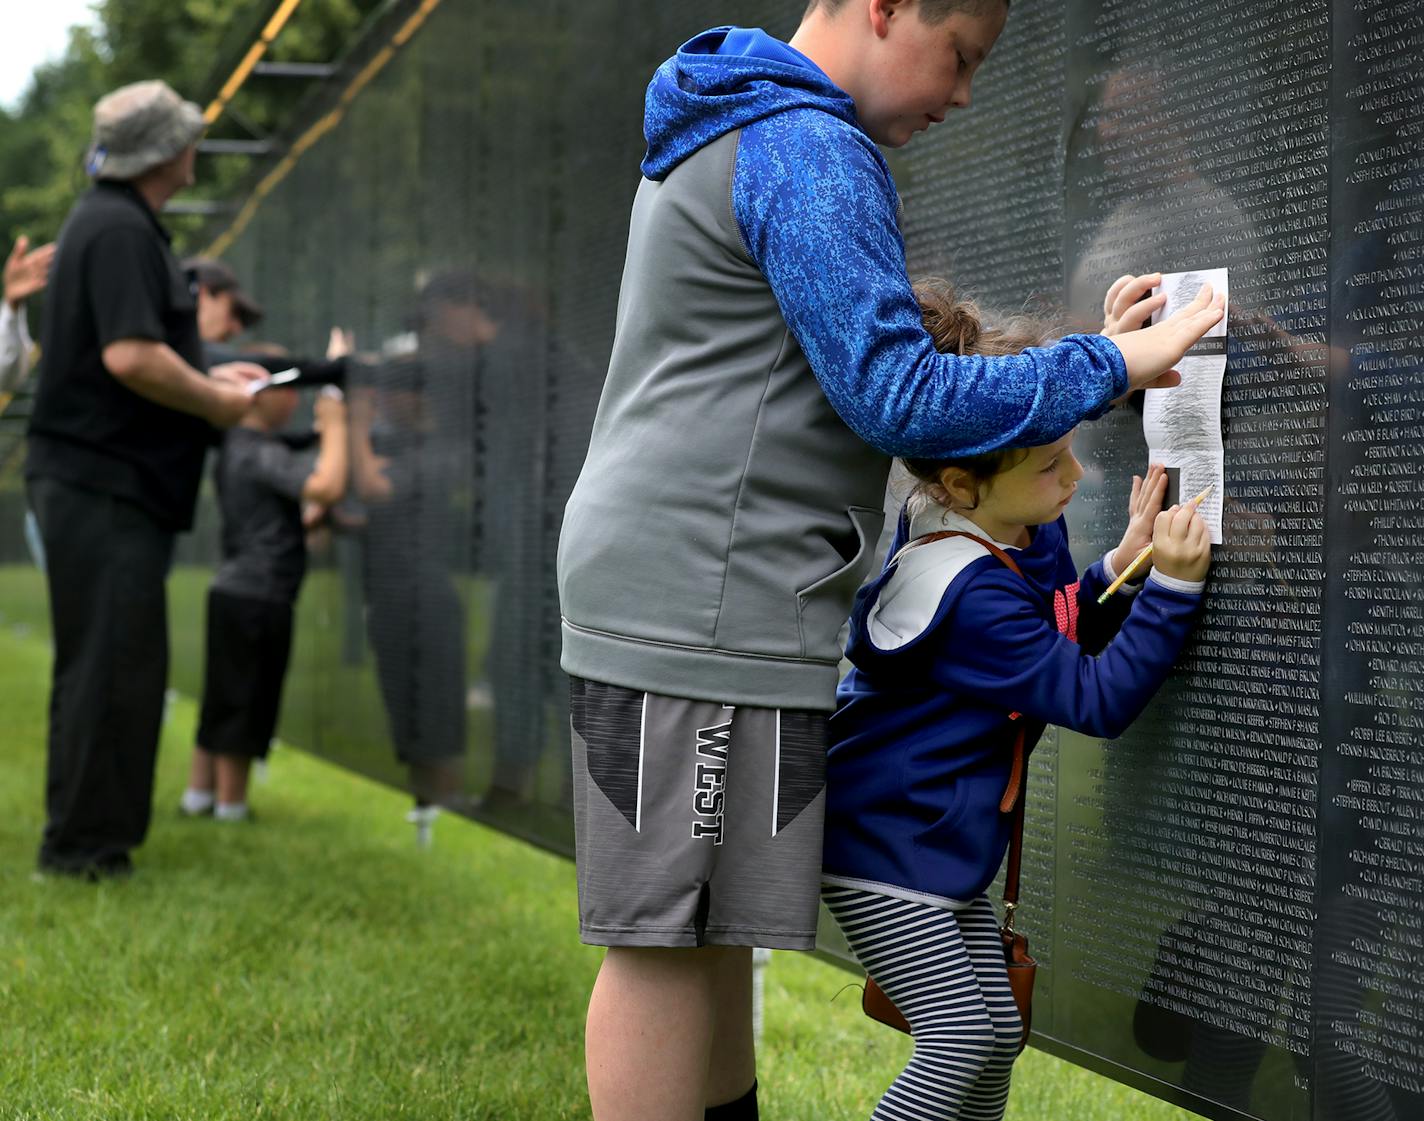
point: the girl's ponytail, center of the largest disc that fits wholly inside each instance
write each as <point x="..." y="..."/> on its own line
<point x="957" y="327"/>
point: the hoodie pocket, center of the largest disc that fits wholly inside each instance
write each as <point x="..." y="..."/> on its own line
<point x="824" y="606"/>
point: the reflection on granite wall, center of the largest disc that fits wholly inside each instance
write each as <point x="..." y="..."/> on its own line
<point x="1257" y="838"/>
<point x="1227" y="901"/>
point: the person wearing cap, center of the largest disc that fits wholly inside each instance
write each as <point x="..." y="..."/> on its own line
<point x="122" y="419"/>
<point x="225" y="310"/>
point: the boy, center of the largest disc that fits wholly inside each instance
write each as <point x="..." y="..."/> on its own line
<point x="262" y="485"/>
<point x="769" y="358"/>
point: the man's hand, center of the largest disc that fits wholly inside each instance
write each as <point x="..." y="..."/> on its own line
<point x="26" y="270"/>
<point x="157" y="372"/>
<point x="1142" y="509"/>
<point x="243" y="375"/>
<point x="1151" y="352"/>
<point x="232" y="391"/>
<point x="228" y="405"/>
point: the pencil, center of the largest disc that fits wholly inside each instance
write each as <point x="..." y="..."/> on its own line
<point x="1128" y="572"/>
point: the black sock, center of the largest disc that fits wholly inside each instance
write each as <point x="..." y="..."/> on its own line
<point x="743" y="1109"/>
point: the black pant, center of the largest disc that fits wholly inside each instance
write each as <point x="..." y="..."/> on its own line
<point x="107" y="560"/>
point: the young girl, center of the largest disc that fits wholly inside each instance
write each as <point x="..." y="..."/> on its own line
<point x="951" y="651"/>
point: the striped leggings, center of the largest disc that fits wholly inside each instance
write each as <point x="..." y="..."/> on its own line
<point x="945" y="971"/>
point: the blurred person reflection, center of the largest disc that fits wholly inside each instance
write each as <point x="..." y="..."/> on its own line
<point x="1147" y="143"/>
<point x="1146" y="151"/>
<point x="122" y="420"/>
<point x="481" y="336"/>
<point x="496" y="350"/>
<point x="406" y="460"/>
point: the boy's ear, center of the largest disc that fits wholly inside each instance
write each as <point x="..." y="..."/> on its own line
<point x="882" y="11"/>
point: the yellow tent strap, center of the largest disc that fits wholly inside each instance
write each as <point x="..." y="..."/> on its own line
<point x="322" y="126"/>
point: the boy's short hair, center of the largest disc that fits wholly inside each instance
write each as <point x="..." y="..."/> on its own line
<point x="931" y="11"/>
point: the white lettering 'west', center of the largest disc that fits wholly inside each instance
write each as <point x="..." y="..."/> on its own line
<point x="711" y="781"/>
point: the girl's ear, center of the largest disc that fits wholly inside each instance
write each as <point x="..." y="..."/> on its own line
<point x="960" y="487"/>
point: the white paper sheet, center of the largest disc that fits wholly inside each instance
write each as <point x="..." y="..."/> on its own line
<point x="1183" y="424"/>
<point x="281" y="378"/>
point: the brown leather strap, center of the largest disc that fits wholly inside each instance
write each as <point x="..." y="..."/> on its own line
<point x="1016" y="770"/>
<point x="1016" y="830"/>
<point x="1016" y="775"/>
<point x="1012" y="801"/>
<point x="942" y="534"/>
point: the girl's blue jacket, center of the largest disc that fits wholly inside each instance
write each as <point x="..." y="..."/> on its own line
<point x="947" y="644"/>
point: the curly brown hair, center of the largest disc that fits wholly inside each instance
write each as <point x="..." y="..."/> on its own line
<point x="957" y="326"/>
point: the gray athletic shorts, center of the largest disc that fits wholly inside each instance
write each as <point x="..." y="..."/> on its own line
<point x="697" y="823"/>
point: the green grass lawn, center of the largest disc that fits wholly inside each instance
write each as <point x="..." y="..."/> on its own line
<point x="317" y="964"/>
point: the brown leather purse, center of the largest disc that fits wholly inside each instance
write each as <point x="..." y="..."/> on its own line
<point x="1020" y="964"/>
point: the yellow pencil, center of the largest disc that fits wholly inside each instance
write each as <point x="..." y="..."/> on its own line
<point x="1128" y="572"/>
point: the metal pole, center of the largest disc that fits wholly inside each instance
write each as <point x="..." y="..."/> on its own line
<point x="761" y="958"/>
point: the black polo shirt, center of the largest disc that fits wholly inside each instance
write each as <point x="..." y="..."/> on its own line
<point x="114" y="277"/>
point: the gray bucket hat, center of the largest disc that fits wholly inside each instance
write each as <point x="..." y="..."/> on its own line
<point x="138" y="127"/>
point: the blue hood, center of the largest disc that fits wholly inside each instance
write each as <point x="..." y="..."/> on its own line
<point x="725" y="79"/>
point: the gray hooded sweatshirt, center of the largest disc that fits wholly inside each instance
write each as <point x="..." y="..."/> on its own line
<point x="768" y="360"/>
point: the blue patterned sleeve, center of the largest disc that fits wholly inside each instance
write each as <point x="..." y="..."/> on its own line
<point x="816" y="207"/>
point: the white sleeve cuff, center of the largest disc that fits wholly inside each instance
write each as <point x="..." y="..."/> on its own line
<point x="1110" y="572"/>
<point x="1186" y="587"/>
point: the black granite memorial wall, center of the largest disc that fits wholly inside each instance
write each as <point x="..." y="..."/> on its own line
<point x="1228" y="901"/>
<point x="1236" y="882"/>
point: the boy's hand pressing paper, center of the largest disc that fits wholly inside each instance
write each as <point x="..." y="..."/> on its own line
<point x="1151" y="353"/>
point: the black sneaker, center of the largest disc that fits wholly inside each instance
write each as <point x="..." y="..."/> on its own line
<point x="115" y="866"/>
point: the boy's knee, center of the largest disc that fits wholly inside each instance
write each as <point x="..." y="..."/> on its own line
<point x="683" y="964"/>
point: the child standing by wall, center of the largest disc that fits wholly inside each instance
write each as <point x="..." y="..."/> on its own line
<point x="262" y="485"/>
<point x="768" y="360"/>
<point x="952" y="652"/>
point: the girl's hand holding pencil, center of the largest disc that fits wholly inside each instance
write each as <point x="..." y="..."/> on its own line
<point x="1180" y="546"/>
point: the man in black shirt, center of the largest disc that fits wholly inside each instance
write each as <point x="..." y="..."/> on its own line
<point x="122" y="420"/>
